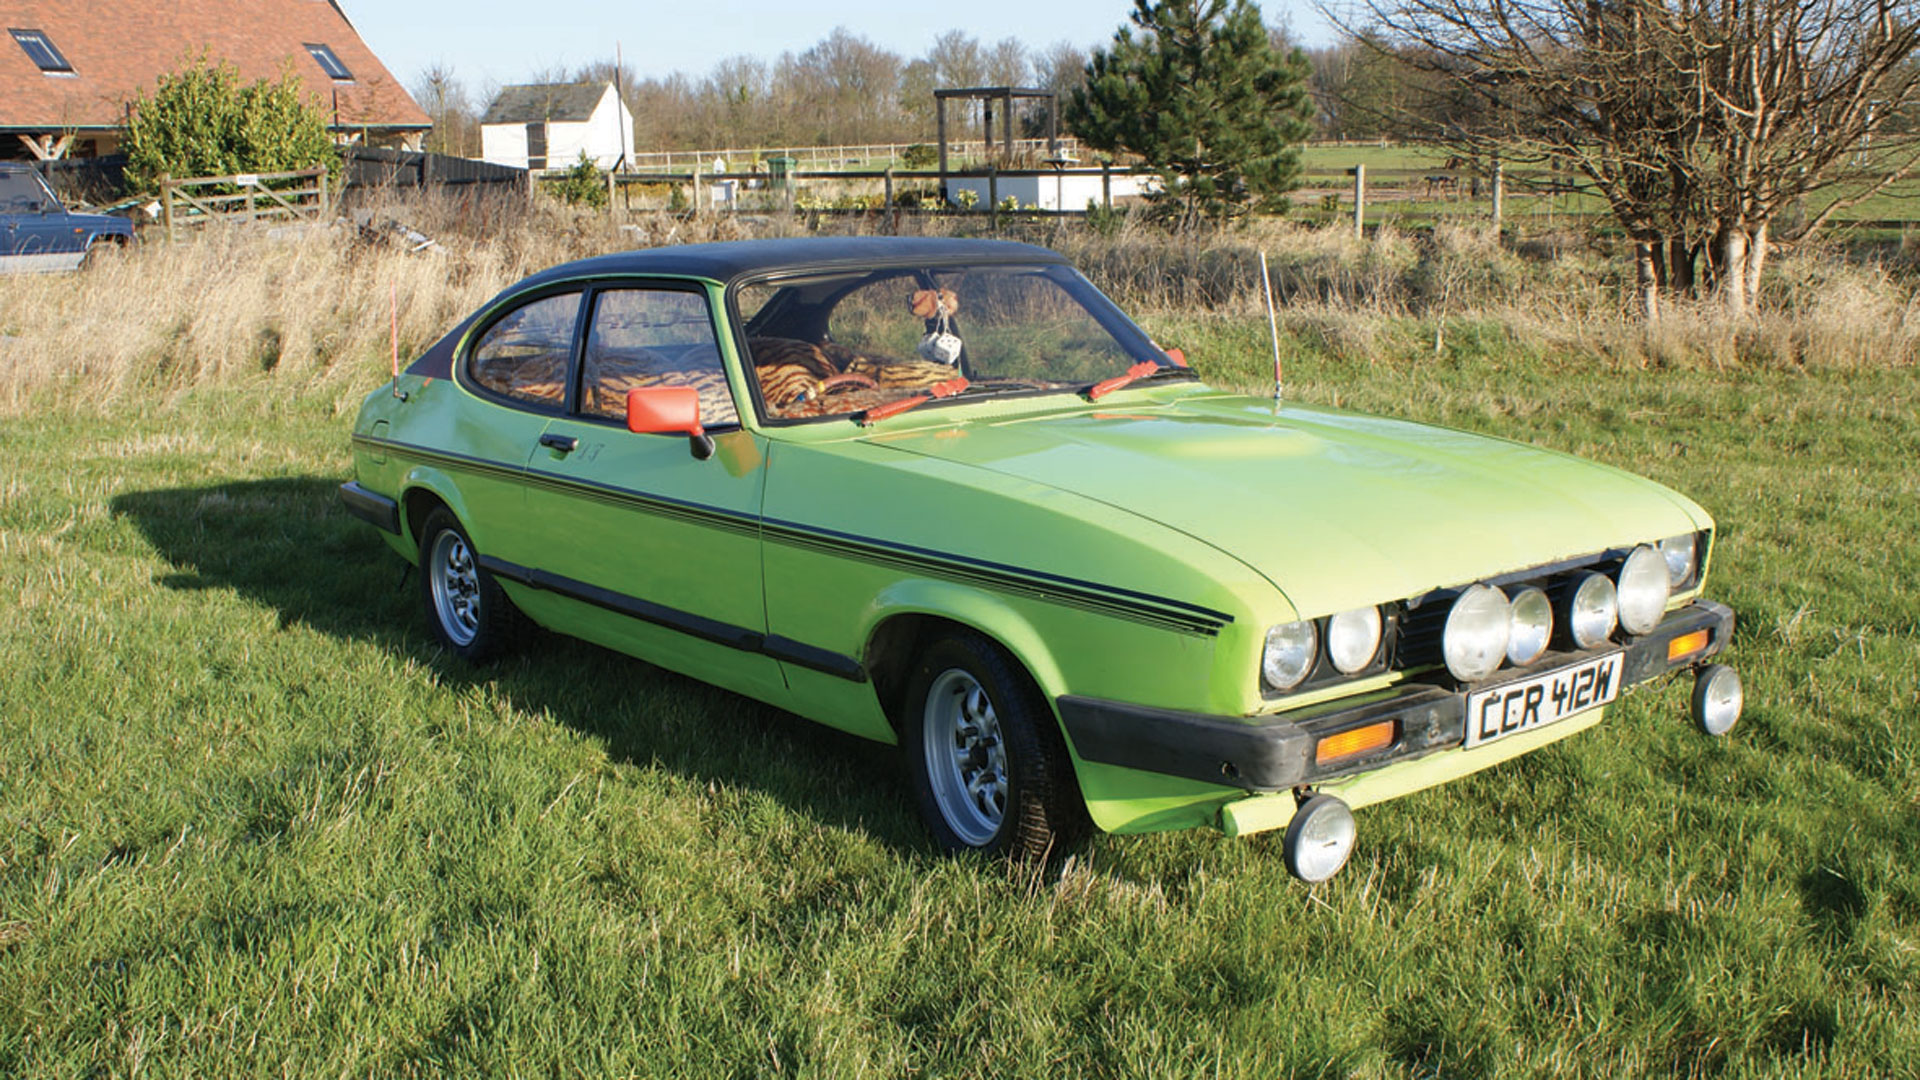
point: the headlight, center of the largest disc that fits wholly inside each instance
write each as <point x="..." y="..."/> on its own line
<point x="1288" y="655"/>
<point x="1593" y="611"/>
<point x="1475" y="640"/>
<point x="1680" y="552"/>
<point x="1353" y="637"/>
<point x="1644" y="588"/>
<point x="1530" y="627"/>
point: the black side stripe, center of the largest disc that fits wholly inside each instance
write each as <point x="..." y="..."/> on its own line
<point x="1058" y="589"/>
<point x="785" y="650"/>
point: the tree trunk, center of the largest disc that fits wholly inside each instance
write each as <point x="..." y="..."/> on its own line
<point x="1732" y="242"/>
<point x="1646" y="277"/>
<point x="1756" y="262"/>
<point x="1680" y="259"/>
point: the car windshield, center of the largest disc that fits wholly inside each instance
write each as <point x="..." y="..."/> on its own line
<point x="845" y="343"/>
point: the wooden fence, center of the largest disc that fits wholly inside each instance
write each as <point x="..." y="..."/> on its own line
<point x="817" y="157"/>
<point x="371" y="167"/>
<point x="244" y="197"/>
<point x="782" y="191"/>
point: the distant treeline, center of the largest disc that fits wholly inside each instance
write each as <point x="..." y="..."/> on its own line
<point x="844" y="90"/>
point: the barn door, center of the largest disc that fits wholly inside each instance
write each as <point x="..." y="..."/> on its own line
<point x="537" y="145"/>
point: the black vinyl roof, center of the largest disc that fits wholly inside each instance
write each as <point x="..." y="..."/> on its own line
<point x="727" y="262"/>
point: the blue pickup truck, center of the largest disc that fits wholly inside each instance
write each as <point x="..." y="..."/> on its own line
<point x="36" y="231"/>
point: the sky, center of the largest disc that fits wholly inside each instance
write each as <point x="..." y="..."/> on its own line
<point x="495" y="42"/>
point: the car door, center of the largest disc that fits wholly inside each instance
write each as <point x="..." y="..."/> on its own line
<point x="40" y="220"/>
<point x="517" y="368"/>
<point x="19" y="198"/>
<point x="664" y="543"/>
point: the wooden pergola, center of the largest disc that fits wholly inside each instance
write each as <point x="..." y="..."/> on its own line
<point x="989" y="96"/>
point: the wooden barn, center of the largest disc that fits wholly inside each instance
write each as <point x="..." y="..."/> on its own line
<point x="73" y="68"/>
<point x="549" y="126"/>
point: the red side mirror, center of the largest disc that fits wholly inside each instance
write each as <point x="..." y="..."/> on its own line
<point x="669" y="410"/>
<point x="1178" y="357"/>
<point x="664" y="410"/>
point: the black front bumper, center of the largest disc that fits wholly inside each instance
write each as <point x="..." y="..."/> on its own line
<point x="1274" y="753"/>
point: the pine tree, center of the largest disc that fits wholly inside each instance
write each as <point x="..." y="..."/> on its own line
<point x="1201" y="95"/>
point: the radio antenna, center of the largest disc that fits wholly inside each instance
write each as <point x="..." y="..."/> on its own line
<point x="393" y="336"/>
<point x="1273" y="328"/>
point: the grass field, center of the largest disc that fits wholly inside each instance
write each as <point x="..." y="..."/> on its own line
<point x="253" y="823"/>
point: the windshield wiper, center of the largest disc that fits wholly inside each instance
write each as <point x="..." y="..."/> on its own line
<point x="1145" y="369"/>
<point x="949" y="388"/>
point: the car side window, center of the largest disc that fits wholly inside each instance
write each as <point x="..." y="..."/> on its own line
<point x="653" y="337"/>
<point x="21" y="193"/>
<point x="524" y="354"/>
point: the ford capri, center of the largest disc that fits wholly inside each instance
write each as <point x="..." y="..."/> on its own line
<point x="946" y="495"/>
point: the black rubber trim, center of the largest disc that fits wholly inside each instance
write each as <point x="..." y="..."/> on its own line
<point x="1054" y="588"/>
<point x="1273" y="753"/>
<point x="377" y="510"/>
<point x="1263" y="755"/>
<point x="782" y="649"/>
<point x="789" y="651"/>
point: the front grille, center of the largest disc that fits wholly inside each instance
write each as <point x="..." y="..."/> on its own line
<point x="1423" y="619"/>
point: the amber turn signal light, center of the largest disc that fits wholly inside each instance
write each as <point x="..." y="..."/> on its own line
<point x="1354" y="742"/>
<point x="1686" y="645"/>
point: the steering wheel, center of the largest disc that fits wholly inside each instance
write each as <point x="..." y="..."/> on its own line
<point x="835" y="383"/>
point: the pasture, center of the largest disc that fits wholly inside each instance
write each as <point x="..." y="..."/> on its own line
<point x="252" y="822"/>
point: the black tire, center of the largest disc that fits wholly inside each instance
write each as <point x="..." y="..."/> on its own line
<point x="990" y="770"/>
<point x="101" y="251"/>
<point x="469" y="613"/>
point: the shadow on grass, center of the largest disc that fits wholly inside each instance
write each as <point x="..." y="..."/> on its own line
<point x="287" y="544"/>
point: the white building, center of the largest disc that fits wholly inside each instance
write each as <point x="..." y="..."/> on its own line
<point x="550" y="126"/>
<point x="1052" y="191"/>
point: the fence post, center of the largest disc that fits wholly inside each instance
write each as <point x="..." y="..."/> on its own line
<point x="252" y="214"/>
<point x="166" y="204"/>
<point x="993" y="194"/>
<point x="886" y="202"/>
<point x="325" y="212"/>
<point x="1106" y="185"/>
<point x="1499" y="191"/>
<point x="612" y="190"/>
<point x="1359" y="200"/>
<point x="696" y="190"/>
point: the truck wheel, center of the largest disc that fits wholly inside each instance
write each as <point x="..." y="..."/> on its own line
<point x="990" y="770"/>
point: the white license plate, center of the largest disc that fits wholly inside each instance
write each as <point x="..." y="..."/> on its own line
<point x="1501" y="711"/>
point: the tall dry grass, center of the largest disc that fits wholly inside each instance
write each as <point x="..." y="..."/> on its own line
<point x="303" y="309"/>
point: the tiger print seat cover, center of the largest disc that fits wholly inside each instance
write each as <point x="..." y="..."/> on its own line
<point x="791" y="373"/>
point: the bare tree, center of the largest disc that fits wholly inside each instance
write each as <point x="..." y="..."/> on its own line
<point x="456" y="126"/>
<point x="1703" y="123"/>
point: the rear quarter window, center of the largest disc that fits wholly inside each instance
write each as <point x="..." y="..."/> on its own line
<point x="524" y="354"/>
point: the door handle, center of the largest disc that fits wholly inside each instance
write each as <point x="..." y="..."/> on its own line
<point x="566" y="444"/>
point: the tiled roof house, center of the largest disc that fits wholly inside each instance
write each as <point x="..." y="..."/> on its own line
<point x="71" y="69"/>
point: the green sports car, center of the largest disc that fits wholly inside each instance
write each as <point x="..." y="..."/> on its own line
<point x="944" y="494"/>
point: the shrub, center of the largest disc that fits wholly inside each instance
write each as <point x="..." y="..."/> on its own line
<point x="203" y="121"/>
<point x="583" y="184"/>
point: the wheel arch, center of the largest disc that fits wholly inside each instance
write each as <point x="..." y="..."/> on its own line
<point x="423" y="491"/>
<point x="910" y="615"/>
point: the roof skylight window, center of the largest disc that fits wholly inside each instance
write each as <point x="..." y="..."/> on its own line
<point x="40" y="50"/>
<point x="329" y="63"/>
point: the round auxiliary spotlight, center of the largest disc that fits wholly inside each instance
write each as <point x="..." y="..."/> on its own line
<point x="1319" y="839"/>
<point x="1531" y="626"/>
<point x="1474" y="640"/>
<point x="1717" y="699"/>
<point x="1592" y="611"/>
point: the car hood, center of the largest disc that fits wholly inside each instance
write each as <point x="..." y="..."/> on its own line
<point x="1336" y="509"/>
<point x="105" y="223"/>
